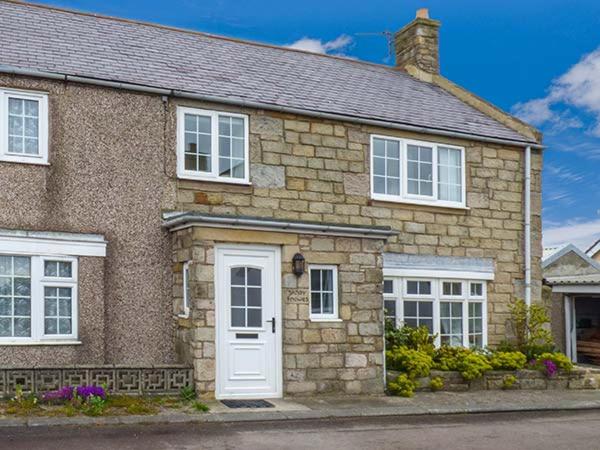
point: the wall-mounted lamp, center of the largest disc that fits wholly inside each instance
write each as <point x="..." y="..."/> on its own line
<point x="298" y="264"/>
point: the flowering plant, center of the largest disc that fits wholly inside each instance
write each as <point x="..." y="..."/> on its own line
<point x="550" y="368"/>
<point x="68" y="393"/>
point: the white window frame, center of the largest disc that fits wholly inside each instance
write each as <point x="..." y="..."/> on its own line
<point x="334" y="317"/>
<point x="404" y="196"/>
<point x="185" y="297"/>
<point x="213" y="175"/>
<point x="38" y="282"/>
<point x="42" y="99"/>
<point x="401" y="294"/>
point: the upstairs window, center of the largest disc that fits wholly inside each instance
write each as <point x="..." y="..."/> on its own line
<point x="23" y="127"/>
<point x="417" y="172"/>
<point x="212" y="145"/>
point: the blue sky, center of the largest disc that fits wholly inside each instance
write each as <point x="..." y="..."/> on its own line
<point x="539" y="59"/>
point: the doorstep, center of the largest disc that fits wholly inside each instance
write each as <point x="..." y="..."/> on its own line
<point x="325" y="407"/>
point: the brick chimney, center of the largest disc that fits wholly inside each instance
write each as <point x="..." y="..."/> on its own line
<point x="417" y="44"/>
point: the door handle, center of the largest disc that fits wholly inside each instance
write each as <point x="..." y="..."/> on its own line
<point x="272" y="324"/>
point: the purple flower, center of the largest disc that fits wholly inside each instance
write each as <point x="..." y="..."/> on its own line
<point x="551" y="368"/>
<point x="87" y="391"/>
<point x="65" y="393"/>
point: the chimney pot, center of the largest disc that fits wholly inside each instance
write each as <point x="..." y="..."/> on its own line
<point x="417" y="44"/>
<point x="422" y="13"/>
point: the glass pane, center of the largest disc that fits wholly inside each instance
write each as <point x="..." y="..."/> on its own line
<point x="50" y="292"/>
<point x="457" y="309"/>
<point x="393" y="186"/>
<point x="315" y="303"/>
<point x="254" y="317"/>
<point x="237" y="168"/>
<point x="327" y="279"/>
<point x="64" y="307"/>
<point x="254" y="296"/>
<point x="477" y="326"/>
<point x="476" y="289"/>
<point x="22" y="327"/>
<point x="224" y="167"/>
<point x="456" y="341"/>
<point x="393" y="168"/>
<point x="204" y="124"/>
<point x="204" y="163"/>
<point x="445" y="326"/>
<point x="64" y="269"/>
<point x="204" y="144"/>
<point x="50" y="307"/>
<point x="429" y="324"/>
<point x="5" y="286"/>
<point x="412" y="287"/>
<point x="15" y="125"/>
<point x="238" y="295"/>
<point x="315" y="280"/>
<point x="379" y="185"/>
<point x="390" y="308"/>
<point x="15" y="106"/>
<point x="22" y="287"/>
<point x="413" y="187"/>
<point x="327" y="303"/>
<point x="410" y="309"/>
<point x="224" y="146"/>
<point x="426" y="154"/>
<point x="446" y="289"/>
<point x="31" y="108"/>
<point x="238" y="276"/>
<point x="254" y="277"/>
<point x="22" y="306"/>
<point x="5" y="327"/>
<point x="454" y="157"/>
<point x="224" y="125"/>
<point x="388" y="286"/>
<point x="457" y="326"/>
<point x="413" y="152"/>
<point x="237" y="127"/>
<point x="64" y="326"/>
<point x="238" y="317"/>
<point x="31" y="127"/>
<point x="190" y="123"/>
<point x="426" y="172"/>
<point x="411" y="322"/>
<point x="426" y="188"/>
<point x="5" y="265"/>
<point x="5" y="306"/>
<point x="22" y="266"/>
<point x="456" y="288"/>
<point x="50" y="326"/>
<point x="442" y="156"/>
<point x="64" y="292"/>
<point x="393" y="149"/>
<point x="413" y="170"/>
<point x="426" y="309"/>
<point x="379" y="166"/>
<point x="50" y="268"/>
<point x="425" y="287"/>
<point x="191" y="162"/>
<point x="15" y="144"/>
<point x="237" y="148"/>
<point x="378" y="147"/>
<point x="445" y="309"/>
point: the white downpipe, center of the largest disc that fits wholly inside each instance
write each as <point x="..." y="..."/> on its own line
<point x="528" y="225"/>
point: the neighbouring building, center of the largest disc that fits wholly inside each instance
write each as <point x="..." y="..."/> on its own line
<point x="247" y="210"/>
<point x="574" y="278"/>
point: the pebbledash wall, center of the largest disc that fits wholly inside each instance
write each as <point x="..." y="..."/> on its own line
<point x="113" y="171"/>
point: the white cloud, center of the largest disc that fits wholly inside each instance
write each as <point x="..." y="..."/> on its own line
<point x="335" y="46"/>
<point x="580" y="233"/>
<point x="578" y="88"/>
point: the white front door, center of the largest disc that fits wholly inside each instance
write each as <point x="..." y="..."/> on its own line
<point x="248" y="322"/>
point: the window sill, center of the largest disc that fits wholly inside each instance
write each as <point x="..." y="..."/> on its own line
<point x="34" y="343"/>
<point x="24" y="160"/>
<point x="420" y="202"/>
<point x="316" y="319"/>
<point x="213" y="180"/>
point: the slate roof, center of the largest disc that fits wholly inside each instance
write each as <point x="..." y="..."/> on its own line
<point x="73" y="43"/>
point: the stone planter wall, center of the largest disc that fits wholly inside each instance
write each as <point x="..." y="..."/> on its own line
<point x="578" y="378"/>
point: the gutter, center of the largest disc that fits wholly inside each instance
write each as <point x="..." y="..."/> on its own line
<point x="266" y="106"/>
<point x="527" y="230"/>
<point x="175" y="222"/>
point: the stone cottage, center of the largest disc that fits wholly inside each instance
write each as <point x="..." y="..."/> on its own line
<point x="245" y="210"/>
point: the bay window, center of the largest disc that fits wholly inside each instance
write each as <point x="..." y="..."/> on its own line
<point x="38" y="298"/>
<point x="453" y="310"/>
<point x="23" y="126"/>
<point x="212" y="145"/>
<point x="409" y="171"/>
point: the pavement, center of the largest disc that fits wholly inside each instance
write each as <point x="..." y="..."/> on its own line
<point x="323" y="407"/>
<point x="555" y="430"/>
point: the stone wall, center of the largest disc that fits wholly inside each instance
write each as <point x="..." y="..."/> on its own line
<point x="342" y="357"/>
<point x="315" y="170"/>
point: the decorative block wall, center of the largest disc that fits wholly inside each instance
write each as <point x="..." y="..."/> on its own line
<point x="168" y="379"/>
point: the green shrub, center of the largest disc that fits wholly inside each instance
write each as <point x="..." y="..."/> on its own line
<point x="200" y="407"/>
<point x="414" y="363"/>
<point x="508" y="381"/>
<point x="94" y="405"/>
<point x="530" y="326"/>
<point x="508" y="360"/>
<point x="471" y="365"/>
<point x="436" y="384"/>
<point x="410" y="337"/>
<point x="533" y="351"/>
<point x="403" y="386"/>
<point x="188" y="393"/>
<point x="561" y="360"/>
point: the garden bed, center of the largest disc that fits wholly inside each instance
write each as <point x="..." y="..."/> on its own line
<point x="578" y="378"/>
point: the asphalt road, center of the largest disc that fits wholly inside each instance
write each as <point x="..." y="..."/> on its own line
<point x="549" y="430"/>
